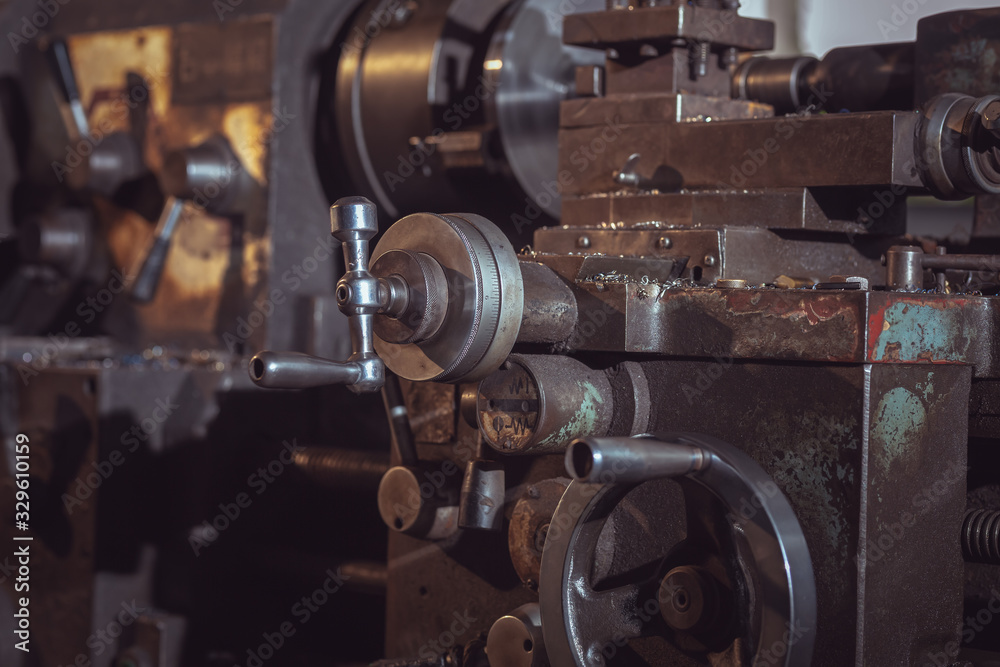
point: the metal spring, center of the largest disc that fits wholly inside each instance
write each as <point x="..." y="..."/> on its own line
<point x="981" y="536"/>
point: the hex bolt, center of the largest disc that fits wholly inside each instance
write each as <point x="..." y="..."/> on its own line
<point x="990" y="118"/>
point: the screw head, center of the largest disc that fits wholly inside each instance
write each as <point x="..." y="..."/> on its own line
<point x="664" y="242"/>
<point x="709" y="260"/>
<point x="583" y="242"/>
<point x="991" y="116"/>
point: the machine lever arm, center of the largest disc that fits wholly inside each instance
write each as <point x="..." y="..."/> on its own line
<point x="360" y="296"/>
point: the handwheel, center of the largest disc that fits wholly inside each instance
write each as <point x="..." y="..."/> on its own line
<point x="733" y="585"/>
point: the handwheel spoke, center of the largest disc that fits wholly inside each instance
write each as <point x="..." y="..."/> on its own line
<point x="609" y="618"/>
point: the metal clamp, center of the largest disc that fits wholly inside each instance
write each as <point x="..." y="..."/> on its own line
<point x="360" y="296"/>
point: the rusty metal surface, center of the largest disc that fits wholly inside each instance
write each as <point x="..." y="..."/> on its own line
<point x="432" y="408"/>
<point x="775" y="324"/>
<point x="200" y="51"/>
<point x="804" y="425"/>
<point x="550" y="314"/>
<point x="529" y="525"/>
<point x="951" y="54"/>
<point x="646" y="107"/>
<point x="775" y="208"/>
<point x="639" y="247"/>
<point x="933" y="328"/>
<point x="673" y="71"/>
<point x="875" y="148"/>
<point x="912" y="510"/>
<point x="854" y="448"/>
<point x="663" y="23"/>
<point x="817" y="325"/>
<point x="984" y="409"/>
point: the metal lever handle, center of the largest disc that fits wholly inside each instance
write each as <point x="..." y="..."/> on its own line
<point x="353" y="222"/>
<point x="63" y="69"/>
<point x="292" y="370"/>
<point x="150" y="266"/>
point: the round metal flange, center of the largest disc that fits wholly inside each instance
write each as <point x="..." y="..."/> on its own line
<point x="485" y="297"/>
<point x="425" y="291"/>
<point x="746" y="576"/>
<point x="531" y="70"/>
<point x="957" y="155"/>
<point x="939" y="145"/>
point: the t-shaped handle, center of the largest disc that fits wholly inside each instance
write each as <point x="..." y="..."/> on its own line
<point x="360" y="296"/>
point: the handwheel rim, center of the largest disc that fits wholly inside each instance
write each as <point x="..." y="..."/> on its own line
<point x="786" y="627"/>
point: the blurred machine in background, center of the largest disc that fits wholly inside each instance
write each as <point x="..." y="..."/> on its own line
<point x="675" y="384"/>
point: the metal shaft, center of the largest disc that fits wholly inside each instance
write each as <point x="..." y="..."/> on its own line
<point x="631" y="460"/>
<point x="292" y="370"/>
<point x="342" y="469"/>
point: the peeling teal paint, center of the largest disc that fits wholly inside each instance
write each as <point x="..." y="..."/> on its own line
<point x="928" y="388"/>
<point x="813" y="470"/>
<point x="920" y="332"/>
<point x="900" y="420"/>
<point x="584" y="420"/>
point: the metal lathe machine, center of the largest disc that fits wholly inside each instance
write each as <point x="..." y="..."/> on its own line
<point x="491" y="333"/>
